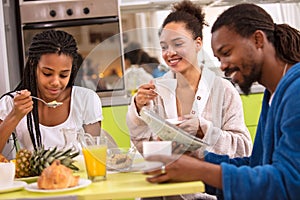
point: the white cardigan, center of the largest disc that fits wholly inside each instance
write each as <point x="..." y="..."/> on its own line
<point x="219" y="111"/>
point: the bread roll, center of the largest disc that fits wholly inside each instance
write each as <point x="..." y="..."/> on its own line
<point x="3" y="159"/>
<point x="57" y="176"/>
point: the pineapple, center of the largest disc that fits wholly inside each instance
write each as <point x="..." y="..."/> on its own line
<point x="44" y="158"/>
<point x="34" y="164"/>
<point x="23" y="163"/>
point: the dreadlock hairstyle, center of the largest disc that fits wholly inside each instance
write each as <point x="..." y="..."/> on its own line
<point x="245" y="19"/>
<point x="188" y="13"/>
<point x="49" y="41"/>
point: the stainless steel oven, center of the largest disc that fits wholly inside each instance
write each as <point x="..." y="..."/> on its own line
<point x="95" y="24"/>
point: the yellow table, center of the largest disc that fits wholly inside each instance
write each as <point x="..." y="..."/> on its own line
<point x="117" y="186"/>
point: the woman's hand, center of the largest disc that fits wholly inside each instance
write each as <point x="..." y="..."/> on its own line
<point x="23" y="104"/>
<point x="144" y="95"/>
<point x="191" y="125"/>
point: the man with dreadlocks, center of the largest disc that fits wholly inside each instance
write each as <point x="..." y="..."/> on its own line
<point x="49" y="74"/>
<point x="251" y="47"/>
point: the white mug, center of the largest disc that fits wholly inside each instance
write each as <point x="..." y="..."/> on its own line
<point x="157" y="148"/>
<point x="7" y="171"/>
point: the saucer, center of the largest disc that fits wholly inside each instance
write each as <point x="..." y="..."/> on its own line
<point x="174" y="121"/>
<point x="146" y="166"/>
<point x="32" y="187"/>
<point x="17" y="185"/>
<point x="30" y="179"/>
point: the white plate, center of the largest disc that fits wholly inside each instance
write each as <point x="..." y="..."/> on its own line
<point x="146" y="166"/>
<point x="17" y="185"/>
<point x="139" y="165"/>
<point x="34" y="188"/>
<point x="30" y="179"/>
<point x="174" y="121"/>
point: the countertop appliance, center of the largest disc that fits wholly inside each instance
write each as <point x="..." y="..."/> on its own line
<point x="95" y="24"/>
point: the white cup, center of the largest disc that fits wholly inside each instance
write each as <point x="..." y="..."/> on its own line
<point x="157" y="148"/>
<point x="7" y="171"/>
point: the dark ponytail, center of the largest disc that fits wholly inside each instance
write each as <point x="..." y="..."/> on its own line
<point x="190" y="14"/>
<point x="287" y="43"/>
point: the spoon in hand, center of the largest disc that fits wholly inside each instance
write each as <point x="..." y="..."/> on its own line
<point x="157" y="93"/>
<point x="52" y="104"/>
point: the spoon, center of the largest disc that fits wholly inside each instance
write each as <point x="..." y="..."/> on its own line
<point x="157" y="93"/>
<point x="52" y="104"/>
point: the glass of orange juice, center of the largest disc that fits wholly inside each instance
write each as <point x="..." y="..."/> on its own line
<point x="94" y="150"/>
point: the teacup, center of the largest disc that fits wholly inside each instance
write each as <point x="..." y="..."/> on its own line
<point x="157" y="148"/>
<point x="7" y="171"/>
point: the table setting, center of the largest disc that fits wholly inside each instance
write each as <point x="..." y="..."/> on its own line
<point x="119" y="174"/>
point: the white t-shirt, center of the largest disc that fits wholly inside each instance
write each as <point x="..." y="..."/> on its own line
<point x="85" y="108"/>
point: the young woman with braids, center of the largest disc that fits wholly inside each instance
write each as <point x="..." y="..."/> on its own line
<point x="211" y="106"/>
<point x="49" y="74"/>
<point x="251" y="47"/>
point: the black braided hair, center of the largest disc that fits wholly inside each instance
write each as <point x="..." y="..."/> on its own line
<point x="246" y="18"/>
<point x="49" y="41"/>
<point x="190" y="14"/>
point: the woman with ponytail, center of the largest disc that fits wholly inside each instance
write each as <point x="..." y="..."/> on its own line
<point x="209" y="105"/>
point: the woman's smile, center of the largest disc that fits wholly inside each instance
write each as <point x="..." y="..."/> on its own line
<point x="174" y="61"/>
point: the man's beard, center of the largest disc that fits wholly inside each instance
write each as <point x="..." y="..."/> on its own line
<point x="246" y="85"/>
<point x="246" y="88"/>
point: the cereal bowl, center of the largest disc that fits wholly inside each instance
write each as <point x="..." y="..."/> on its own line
<point x="120" y="159"/>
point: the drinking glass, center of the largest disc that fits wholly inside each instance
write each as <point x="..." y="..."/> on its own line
<point x="94" y="150"/>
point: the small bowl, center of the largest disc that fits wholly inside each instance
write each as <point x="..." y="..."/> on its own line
<point x="120" y="159"/>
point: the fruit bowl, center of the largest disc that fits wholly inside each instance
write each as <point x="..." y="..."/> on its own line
<point x="120" y="159"/>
